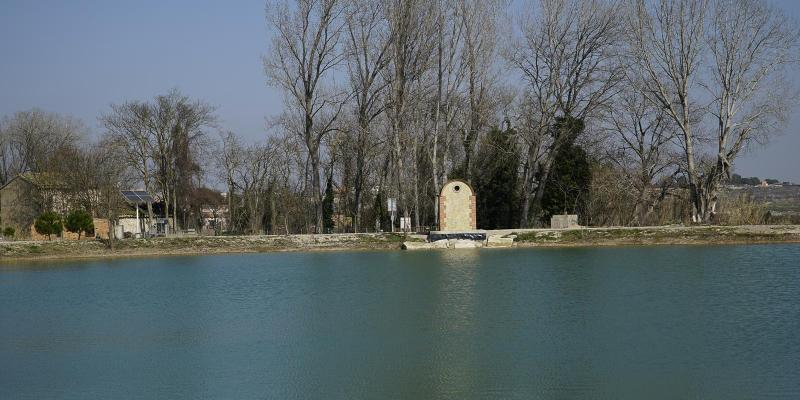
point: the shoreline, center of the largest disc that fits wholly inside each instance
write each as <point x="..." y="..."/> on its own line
<point x="16" y="252"/>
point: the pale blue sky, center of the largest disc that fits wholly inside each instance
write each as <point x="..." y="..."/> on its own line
<point x="76" y="57"/>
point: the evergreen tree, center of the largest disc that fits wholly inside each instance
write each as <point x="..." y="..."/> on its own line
<point x="495" y="180"/>
<point x="79" y="221"/>
<point x="381" y="214"/>
<point x="48" y="223"/>
<point x="327" y="207"/>
<point x="568" y="186"/>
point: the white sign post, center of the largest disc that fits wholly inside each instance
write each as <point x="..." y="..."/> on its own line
<point x="392" y="207"/>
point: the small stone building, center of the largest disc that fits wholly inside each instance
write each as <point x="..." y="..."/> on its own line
<point x="457" y="207"/>
<point x="27" y="195"/>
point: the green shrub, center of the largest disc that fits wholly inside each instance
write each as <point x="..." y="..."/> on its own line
<point x="79" y="221"/>
<point x="48" y="224"/>
<point x="9" y="232"/>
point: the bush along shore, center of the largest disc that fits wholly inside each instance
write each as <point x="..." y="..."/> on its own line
<point x="198" y="245"/>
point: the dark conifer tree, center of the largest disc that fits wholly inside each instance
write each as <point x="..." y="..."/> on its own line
<point x="569" y="183"/>
<point x="495" y="180"/>
<point x="327" y="207"/>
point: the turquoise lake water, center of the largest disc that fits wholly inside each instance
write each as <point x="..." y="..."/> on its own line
<point x="718" y="322"/>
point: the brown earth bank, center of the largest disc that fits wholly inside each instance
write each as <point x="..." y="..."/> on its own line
<point x="13" y="251"/>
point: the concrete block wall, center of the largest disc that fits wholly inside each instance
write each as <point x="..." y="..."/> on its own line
<point x="564" y="221"/>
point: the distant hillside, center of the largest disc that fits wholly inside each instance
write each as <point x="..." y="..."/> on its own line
<point x="776" y="198"/>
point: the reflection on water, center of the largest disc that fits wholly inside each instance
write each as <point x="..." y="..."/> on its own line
<point x="664" y="322"/>
<point x="454" y="318"/>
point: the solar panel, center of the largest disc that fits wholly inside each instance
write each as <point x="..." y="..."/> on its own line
<point x="146" y="198"/>
<point x="136" y="196"/>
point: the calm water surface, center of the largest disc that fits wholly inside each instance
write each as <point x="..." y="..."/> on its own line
<point x="646" y="322"/>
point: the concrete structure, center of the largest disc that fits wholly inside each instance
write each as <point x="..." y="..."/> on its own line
<point x="566" y="221"/>
<point x="131" y="225"/>
<point x="457" y="207"/>
<point x="443" y="244"/>
<point x="499" y="241"/>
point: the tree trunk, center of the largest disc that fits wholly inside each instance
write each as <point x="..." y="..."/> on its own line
<point x="175" y="209"/>
<point x="542" y="183"/>
<point x="527" y="176"/>
<point x="230" y="204"/>
<point x="360" y="166"/>
<point x="416" y="183"/>
<point x="110" y="223"/>
<point x="437" y="116"/>
<point x="316" y="187"/>
<point x="273" y="213"/>
<point x="398" y="164"/>
<point x="166" y="206"/>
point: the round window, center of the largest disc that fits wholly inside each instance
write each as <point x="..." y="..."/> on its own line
<point x="456" y="188"/>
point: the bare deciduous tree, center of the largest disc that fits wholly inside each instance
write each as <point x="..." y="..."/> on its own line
<point x="750" y="42"/>
<point x="228" y="161"/>
<point x="566" y="57"/>
<point x="128" y="127"/>
<point x="479" y="19"/>
<point x="667" y="39"/>
<point x="30" y="141"/>
<point x="642" y="136"/>
<point x="411" y="24"/>
<point x="304" y="52"/>
<point x="368" y="52"/>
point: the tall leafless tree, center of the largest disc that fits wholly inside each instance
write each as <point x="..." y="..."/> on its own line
<point x="667" y="40"/>
<point x="228" y="161"/>
<point x="30" y="141"/>
<point x="411" y="25"/>
<point x="303" y="54"/>
<point x="128" y="126"/>
<point x="479" y="21"/>
<point x="566" y="55"/>
<point x="750" y="43"/>
<point x="368" y="52"/>
<point x="642" y="138"/>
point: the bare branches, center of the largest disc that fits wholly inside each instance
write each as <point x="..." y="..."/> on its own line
<point x="305" y="51"/>
<point x="31" y="140"/>
<point x="566" y="56"/>
<point x="749" y="42"/>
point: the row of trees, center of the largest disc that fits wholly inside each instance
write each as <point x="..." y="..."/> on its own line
<point x="627" y="112"/>
<point x="399" y="96"/>
<point x="77" y="221"/>
<point x="154" y="145"/>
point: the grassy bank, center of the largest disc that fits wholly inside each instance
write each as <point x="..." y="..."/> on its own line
<point x="661" y="235"/>
<point x="26" y="250"/>
<point x="20" y="251"/>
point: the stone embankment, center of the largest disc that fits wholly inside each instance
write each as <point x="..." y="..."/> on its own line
<point x="491" y="241"/>
<point x="619" y="236"/>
